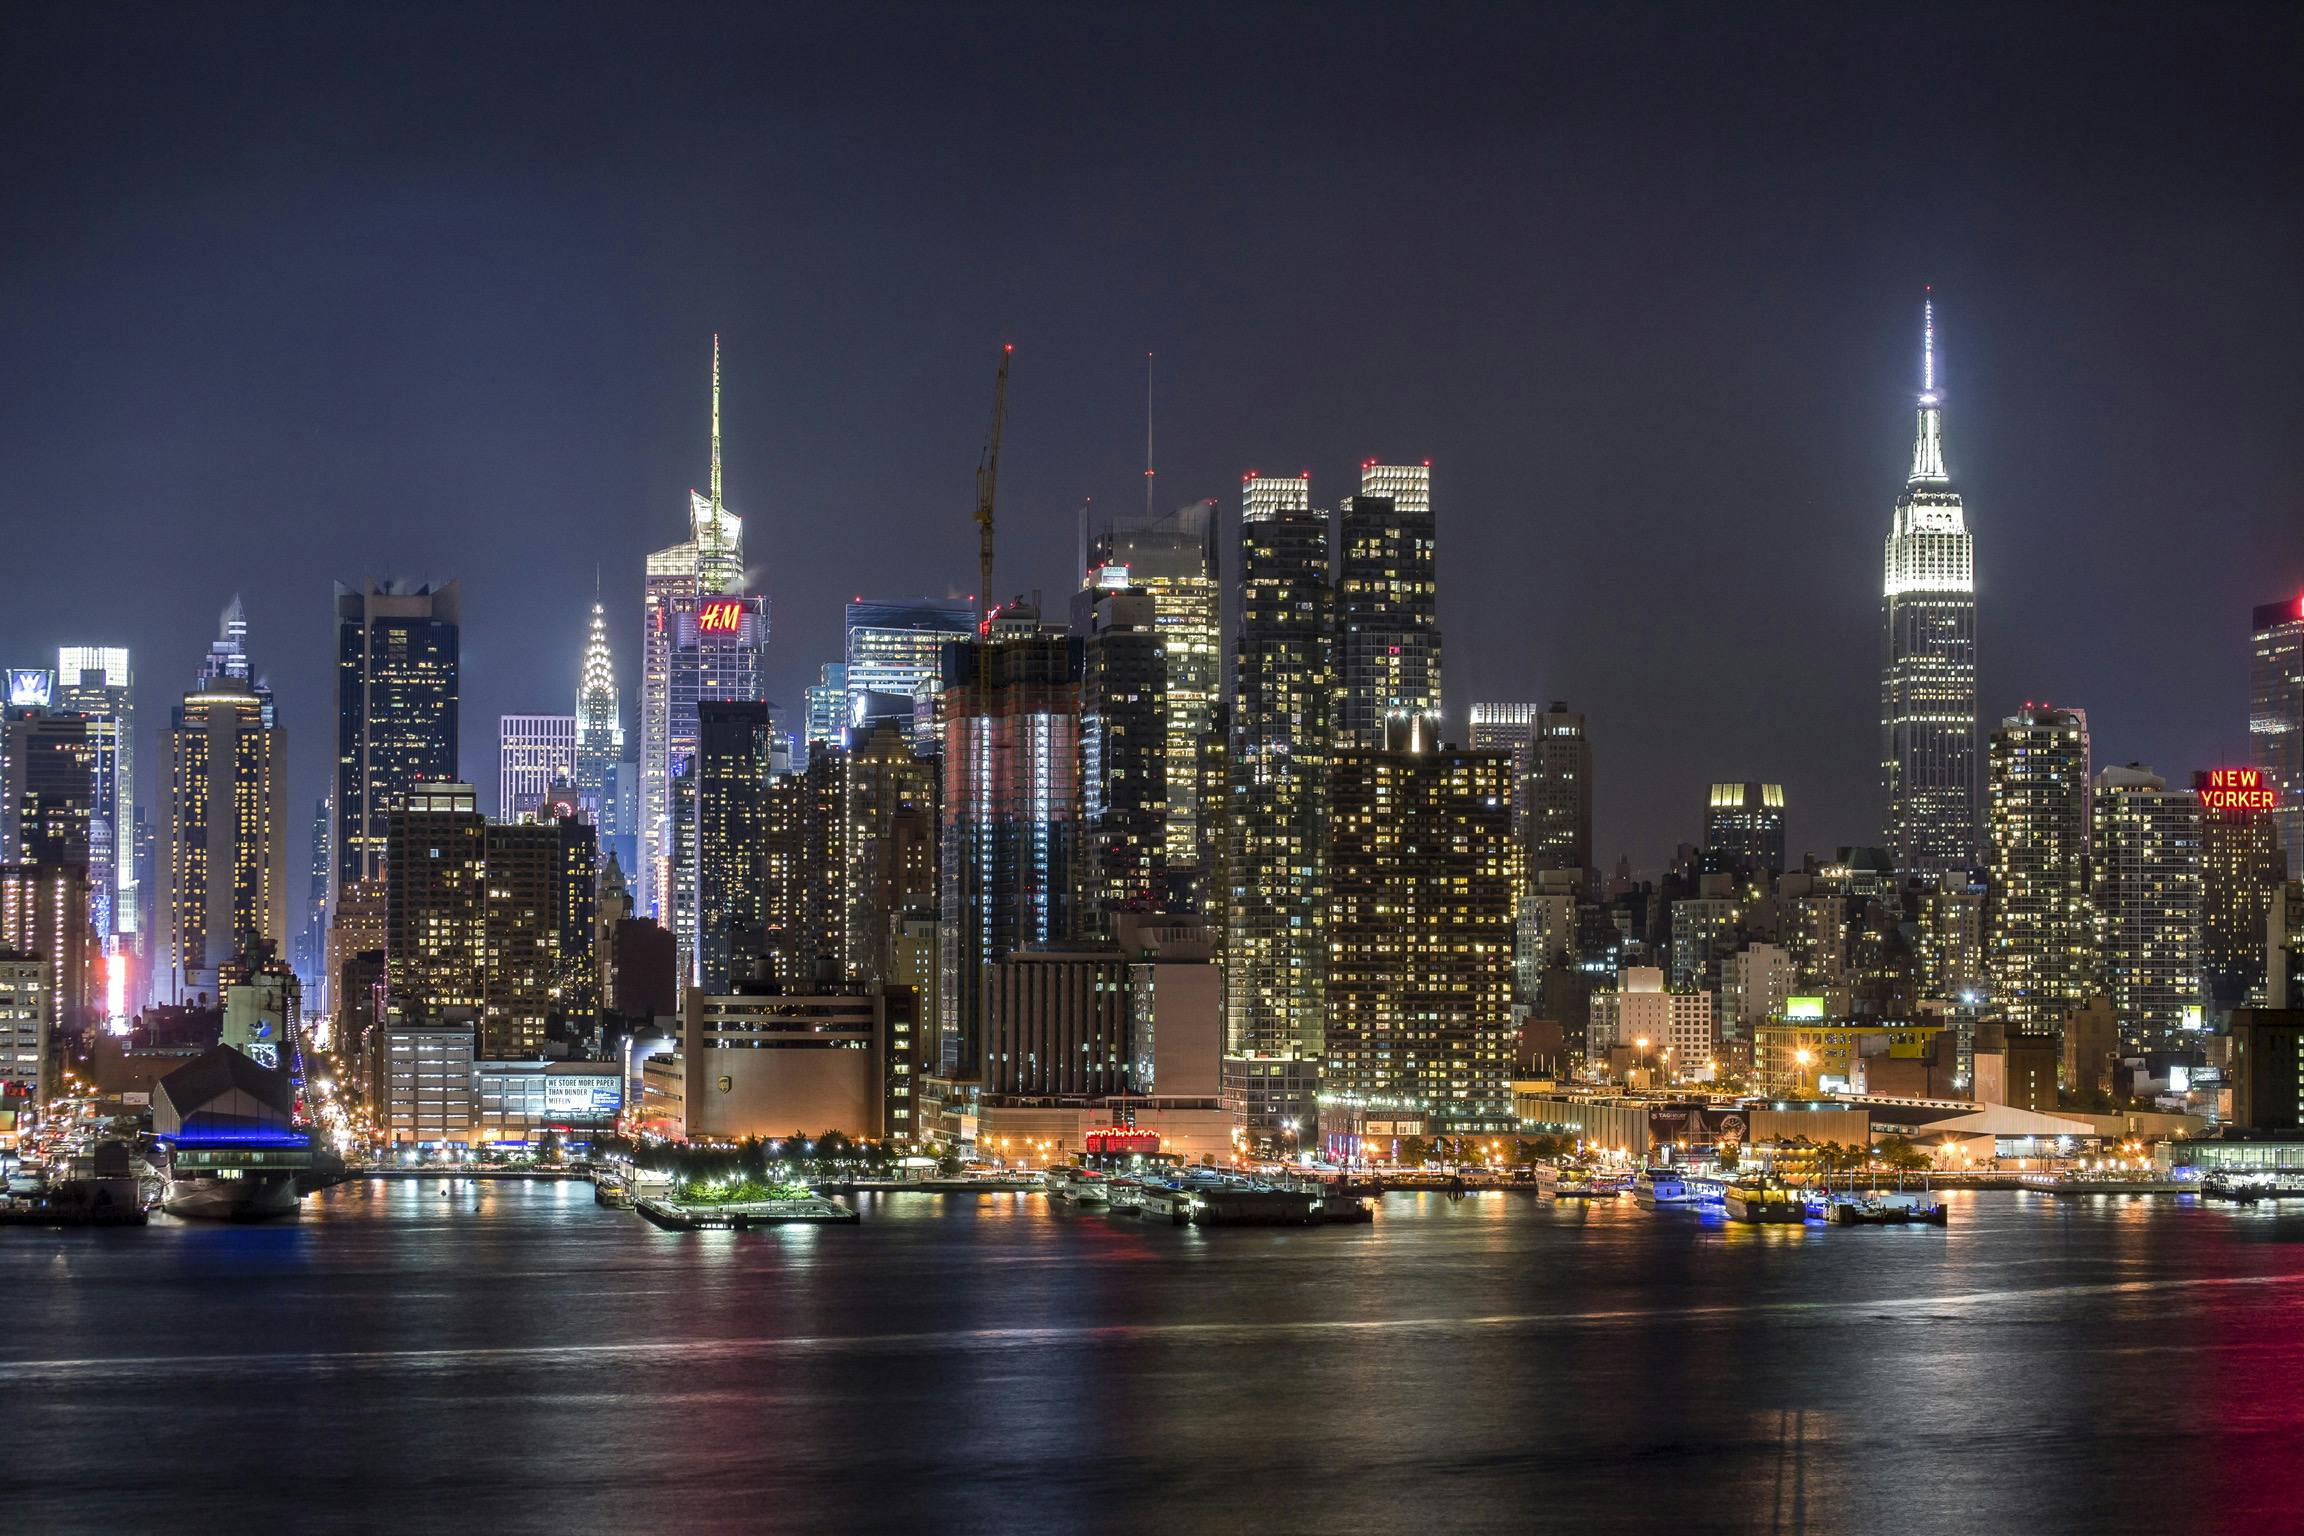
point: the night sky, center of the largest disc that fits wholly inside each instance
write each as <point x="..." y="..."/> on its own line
<point x="300" y="293"/>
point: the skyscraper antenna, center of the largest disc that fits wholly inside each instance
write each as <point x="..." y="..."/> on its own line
<point x="1147" y="437"/>
<point x="715" y="426"/>
<point x="1928" y="345"/>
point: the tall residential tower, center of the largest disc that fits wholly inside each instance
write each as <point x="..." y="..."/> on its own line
<point x="397" y="694"/>
<point x="2276" y="716"/>
<point x="1283" y="690"/>
<point x="1387" y="621"/>
<point x="1173" y="557"/>
<point x="2043" y="958"/>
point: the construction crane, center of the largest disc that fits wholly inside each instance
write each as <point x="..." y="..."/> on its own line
<point x="987" y="481"/>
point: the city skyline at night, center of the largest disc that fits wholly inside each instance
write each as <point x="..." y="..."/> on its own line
<point x="1236" y="766"/>
<point x="1618" y="498"/>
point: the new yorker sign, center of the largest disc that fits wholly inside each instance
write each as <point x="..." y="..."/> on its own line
<point x="2234" y="789"/>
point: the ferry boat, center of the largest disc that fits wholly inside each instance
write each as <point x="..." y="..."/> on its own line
<point x="1078" y="1186"/>
<point x="1664" y="1188"/>
<point x="1568" y="1181"/>
<point x="2248" y="1188"/>
<point x="1768" y="1204"/>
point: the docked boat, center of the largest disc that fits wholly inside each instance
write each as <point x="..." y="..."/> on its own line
<point x="1656" y="1189"/>
<point x="786" y="1206"/>
<point x="1890" y="1211"/>
<point x="2248" y="1188"/>
<point x="2077" y="1181"/>
<point x="231" y="1194"/>
<point x="1764" y="1204"/>
<point x="234" y="1152"/>
<point x="1078" y="1186"/>
<point x="1573" y="1181"/>
<point x="1885" y="1208"/>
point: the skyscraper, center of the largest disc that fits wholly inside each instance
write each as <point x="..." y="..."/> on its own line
<point x="731" y="836"/>
<point x="1555" y="799"/>
<point x="1011" y="824"/>
<point x="1503" y="728"/>
<point x="224" y="837"/>
<point x="534" y="754"/>
<point x="896" y="648"/>
<point x="601" y="773"/>
<point x="312" y="934"/>
<point x="2276" y="716"/>
<point x="51" y="788"/>
<point x="888" y="842"/>
<point x="2241" y="869"/>
<point x="435" y="876"/>
<point x="827" y="712"/>
<point x="227" y="658"/>
<point x="95" y="683"/>
<point x="2041" y="941"/>
<point x="1173" y="557"/>
<point x="397" y="691"/>
<point x="1283" y="697"/>
<point x="576" y="988"/>
<point x="481" y="919"/>
<point x="44" y="912"/>
<point x="1124" y="755"/>
<point x="526" y="904"/>
<point x="703" y="638"/>
<point x="23" y="1032"/>
<point x="1387" y="622"/>
<point x="1928" y="675"/>
<point x="1744" y="830"/>
<point x="1424" y="880"/>
<point x="2145" y="877"/>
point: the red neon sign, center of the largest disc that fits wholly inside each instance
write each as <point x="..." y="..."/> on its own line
<point x="2235" y="789"/>
<point x="721" y="616"/>
<point x="1119" y="1140"/>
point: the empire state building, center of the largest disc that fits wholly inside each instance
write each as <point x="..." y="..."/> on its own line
<point x="1928" y="672"/>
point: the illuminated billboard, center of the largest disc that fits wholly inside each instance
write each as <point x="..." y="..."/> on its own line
<point x="31" y="688"/>
<point x="583" y="1095"/>
<point x="720" y="616"/>
<point x="2235" y="789"/>
<point x="1804" y="1008"/>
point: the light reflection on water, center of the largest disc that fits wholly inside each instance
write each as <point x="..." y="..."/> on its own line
<point x="532" y="1360"/>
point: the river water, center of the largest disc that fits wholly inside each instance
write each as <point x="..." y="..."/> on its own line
<point x="511" y="1357"/>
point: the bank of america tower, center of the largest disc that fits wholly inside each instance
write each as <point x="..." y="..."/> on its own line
<point x="1928" y="672"/>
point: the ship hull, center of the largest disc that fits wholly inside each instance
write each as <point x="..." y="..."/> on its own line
<point x="267" y="1197"/>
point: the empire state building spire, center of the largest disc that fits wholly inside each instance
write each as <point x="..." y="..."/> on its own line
<point x="1928" y="438"/>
